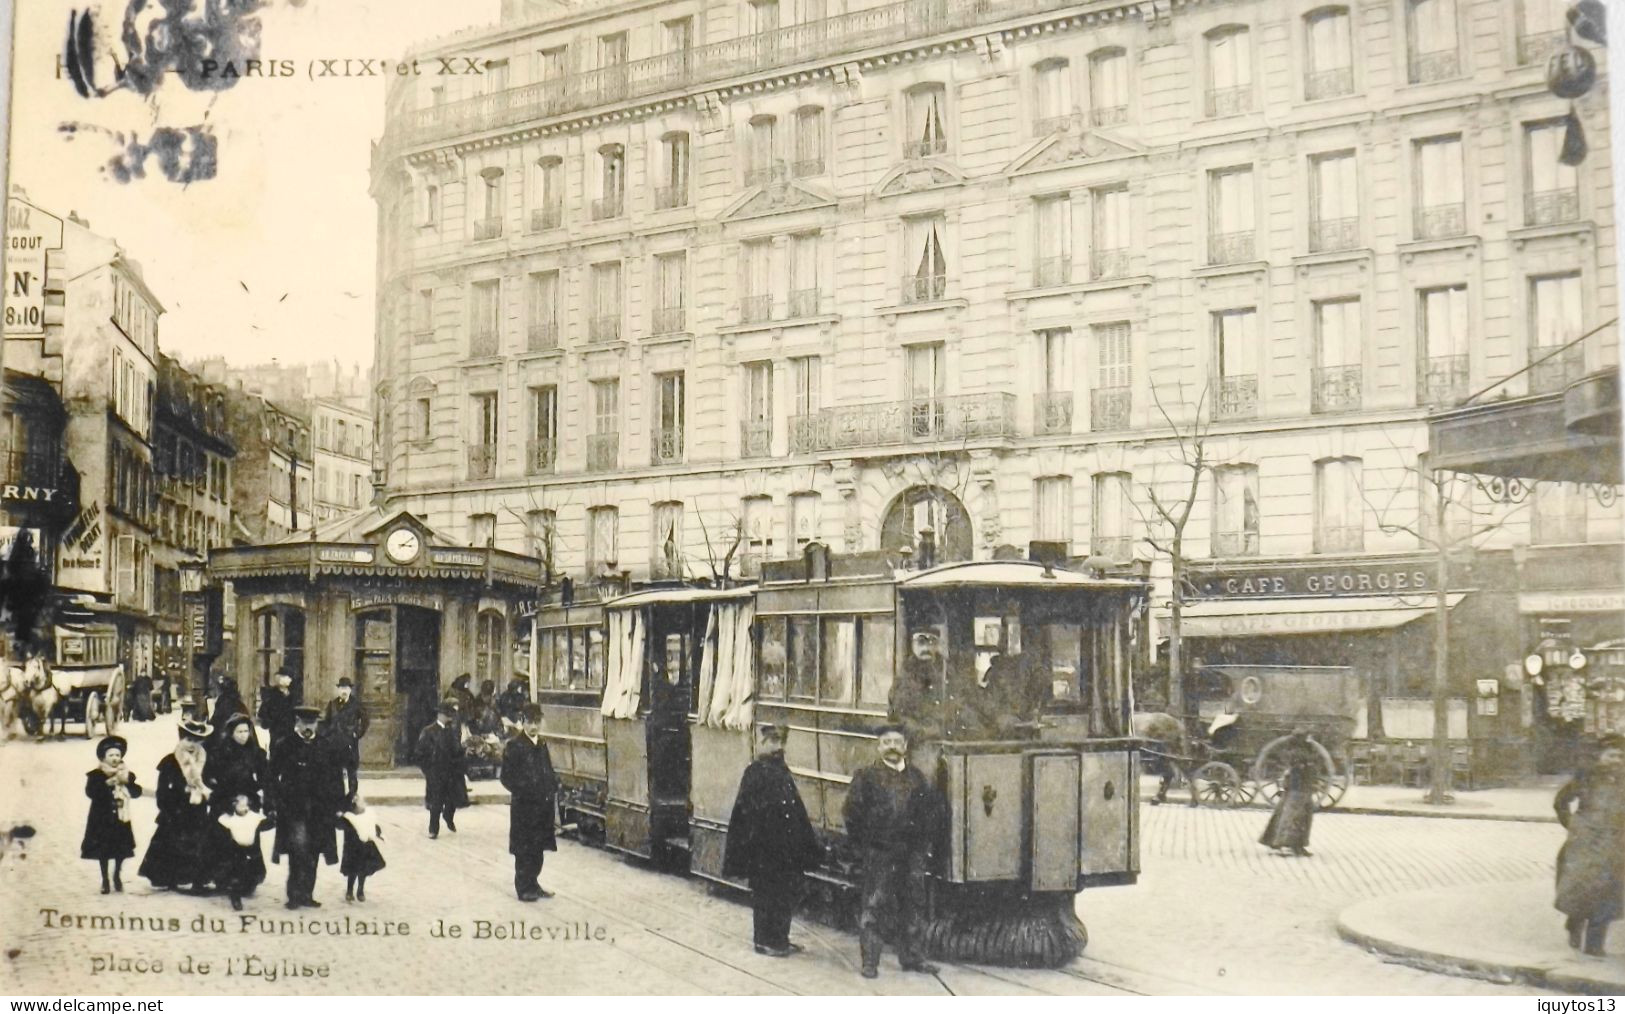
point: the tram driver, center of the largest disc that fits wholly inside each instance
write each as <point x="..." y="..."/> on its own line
<point x="916" y="698"/>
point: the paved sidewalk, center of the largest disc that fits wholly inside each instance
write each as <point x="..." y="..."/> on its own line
<point x="1520" y="803"/>
<point x="1507" y="932"/>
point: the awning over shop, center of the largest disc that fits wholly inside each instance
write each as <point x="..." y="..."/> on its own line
<point x="1255" y="617"/>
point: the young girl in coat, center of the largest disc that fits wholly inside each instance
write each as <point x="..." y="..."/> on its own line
<point x="110" y="786"/>
<point x="361" y="855"/>
<point x="242" y="864"/>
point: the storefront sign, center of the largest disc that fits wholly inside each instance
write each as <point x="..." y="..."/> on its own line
<point x="30" y="232"/>
<point x="8" y="539"/>
<point x="1572" y="602"/>
<point x="423" y="600"/>
<point x="1294" y="623"/>
<point x="44" y="494"/>
<point x="1488" y="688"/>
<point x="80" y="559"/>
<point x="457" y="558"/>
<point x="1320" y="581"/>
<point x="348" y="555"/>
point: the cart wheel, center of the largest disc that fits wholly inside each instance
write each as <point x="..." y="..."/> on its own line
<point x="110" y="719"/>
<point x="1217" y="784"/>
<point x="1329" y="790"/>
<point x="93" y="713"/>
<point x="1269" y="770"/>
<point x="1267" y="791"/>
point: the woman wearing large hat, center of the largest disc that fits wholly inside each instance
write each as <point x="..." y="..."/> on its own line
<point x="179" y="853"/>
<point x="237" y="766"/>
<point x="110" y="786"/>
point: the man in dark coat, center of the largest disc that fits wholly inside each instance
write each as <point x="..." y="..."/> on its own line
<point x="527" y="773"/>
<point x="511" y="704"/>
<point x="307" y="794"/>
<point x="276" y="709"/>
<point x="346" y="722"/>
<point x="441" y="755"/>
<point x="915" y="699"/>
<point x="771" y="842"/>
<point x="892" y="816"/>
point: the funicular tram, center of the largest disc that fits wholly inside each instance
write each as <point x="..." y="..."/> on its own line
<point x="1020" y="710"/>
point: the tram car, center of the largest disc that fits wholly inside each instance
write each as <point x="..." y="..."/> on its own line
<point x="652" y="701"/>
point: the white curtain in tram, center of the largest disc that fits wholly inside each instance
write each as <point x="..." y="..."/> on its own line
<point x="624" y="680"/>
<point x="728" y="685"/>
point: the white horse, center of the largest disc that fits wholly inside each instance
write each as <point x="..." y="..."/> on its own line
<point x="37" y="697"/>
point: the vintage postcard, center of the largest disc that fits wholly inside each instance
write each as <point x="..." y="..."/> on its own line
<point x="768" y="497"/>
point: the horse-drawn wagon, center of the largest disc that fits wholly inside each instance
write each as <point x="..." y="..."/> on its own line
<point x="84" y="683"/>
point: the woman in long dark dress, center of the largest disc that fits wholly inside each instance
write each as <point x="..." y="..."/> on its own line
<point x="1591" y="863"/>
<point x="1288" y="829"/>
<point x="110" y="786"/>
<point x="141" y="699"/>
<point x="180" y="852"/>
<point x="237" y="767"/>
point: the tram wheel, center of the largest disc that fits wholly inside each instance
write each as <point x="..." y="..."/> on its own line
<point x="1218" y="784"/>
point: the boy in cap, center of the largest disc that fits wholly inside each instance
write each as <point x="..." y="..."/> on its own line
<point x="346" y="722"/>
<point x="441" y="755"/>
<point x="527" y="773"/>
<point x="308" y="792"/>
<point x="771" y="842"/>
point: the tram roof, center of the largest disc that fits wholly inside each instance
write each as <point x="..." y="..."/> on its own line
<point x="1012" y="574"/>
<point x="668" y="596"/>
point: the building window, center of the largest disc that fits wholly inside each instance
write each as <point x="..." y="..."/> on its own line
<point x="756" y="283"/>
<point x="756" y="428"/>
<point x="611" y="184"/>
<point x="1435" y="51"/>
<point x="1111" y="399"/>
<point x="1339" y="506"/>
<point x="764" y="16"/>
<point x="926" y="381"/>
<point x="671" y="285"/>
<point x="1559" y="514"/>
<point x="279" y="644"/>
<point x="490" y="646"/>
<point x="1232" y="221"/>
<point x="1443" y="324"/>
<point x="543" y="452"/>
<point x="489" y="224"/>
<point x="1334" y="202"/>
<point x="756" y="533"/>
<point x="1111" y="529"/>
<point x="679" y="39"/>
<point x="1556" y="318"/>
<point x="926" y="128"/>
<point x="804" y="288"/>
<point x="666" y="440"/>
<point x="552" y="64"/>
<point x="612" y="54"/>
<point x="431" y="205"/>
<point x="482" y="452"/>
<point x="1052" y="237"/>
<point x="542" y="312"/>
<point x="809" y="146"/>
<point x="666" y="545"/>
<point x="484" y="311"/>
<point x="1052" y="409"/>
<point x="925" y="259"/>
<point x="1052" y="508"/>
<point x="804" y="383"/>
<point x="541" y="527"/>
<point x="423" y="314"/>
<point x="423" y="417"/>
<point x="603" y="535"/>
<point x="1540" y="29"/>
<point x="1328" y="54"/>
<point x="482" y="529"/>
<point x="1235" y="340"/>
<point x="603" y="444"/>
<point x="1552" y="191"/>
<point x="1052" y="97"/>
<point x="605" y="322"/>
<point x="547" y="194"/>
<point x="1441" y="208"/>
<point x="1235" y="510"/>
<point x="1338" y="337"/>
<point x="804" y="508"/>
<point x="672" y="188"/>
<point x="1113" y="235"/>
<point x="496" y="76"/>
<point x="760" y="165"/>
<point x="1108" y="87"/>
<point x="1229" y="71"/>
<point x="1458" y="526"/>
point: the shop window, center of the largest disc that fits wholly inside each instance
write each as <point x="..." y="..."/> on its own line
<point x="490" y="646"/>
<point x="279" y="641"/>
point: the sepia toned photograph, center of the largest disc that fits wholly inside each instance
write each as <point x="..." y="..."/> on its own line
<point x="811" y="497"/>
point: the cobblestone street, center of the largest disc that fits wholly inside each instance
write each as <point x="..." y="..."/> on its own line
<point x="1213" y="913"/>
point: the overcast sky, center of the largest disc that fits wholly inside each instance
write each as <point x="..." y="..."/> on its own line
<point x="288" y="211"/>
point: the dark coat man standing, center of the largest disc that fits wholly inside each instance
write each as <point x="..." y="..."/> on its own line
<point x="227" y="703"/>
<point x="307" y="794"/>
<point x="771" y="842"/>
<point x="527" y="773"/>
<point x="276" y="709"/>
<point x="441" y="755"/>
<point x="892" y="816"/>
<point x="346" y="722"/>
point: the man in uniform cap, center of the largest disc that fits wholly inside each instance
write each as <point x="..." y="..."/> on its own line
<point x="441" y="755"/>
<point x="276" y="708"/>
<point x="307" y="792"/>
<point x="771" y="842"/>
<point x="346" y="722"/>
<point x="527" y="774"/>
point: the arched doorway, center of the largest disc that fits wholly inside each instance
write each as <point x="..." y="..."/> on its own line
<point x="921" y="507"/>
<point x="397" y="656"/>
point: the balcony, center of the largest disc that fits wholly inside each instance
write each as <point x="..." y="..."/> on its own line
<point x="756" y="439"/>
<point x="1238" y="397"/>
<point x="1329" y="84"/>
<point x="482" y="345"/>
<point x="1109" y="408"/>
<point x="482" y="461"/>
<point x="1108" y="116"/>
<point x="1440" y="65"/>
<point x="604" y="329"/>
<point x="1052" y="413"/>
<point x="668" y="320"/>
<point x="1551" y="207"/>
<point x="603" y="452"/>
<point x="929" y="148"/>
<point x="1235" y="544"/>
<point x="802" y="168"/>
<point x="1558" y="372"/>
<point x="1536" y="47"/>
<point x="804" y="302"/>
<point x="1112" y="263"/>
<point x="1113" y="547"/>
<point x="924" y="288"/>
<point x="1052" y="271"/>
<point x="762" y="175"/>
<point x="1442" y="380"/>
<point x="667" y="198"/>
<point x="1230" y="247"/>
<point x="1441" y="221"/>
<point x="605" y="208"/>
<point x="1339" y="539"/>
<point x="1044" y="126"/>
<point x="541" y="456"/>
<point x="545" y="218"/>
<point x="38" y="470"/>
<point x="1329" y="234"/>
<point x="921" y="420"/>
<point x="755" y="309"/>
<point x="487" y="228"/>
<point x="665" y="446"/>
<point x="1335" y="389"/>
<point x="542" y="337"/>
<point x="1230" y="101"/>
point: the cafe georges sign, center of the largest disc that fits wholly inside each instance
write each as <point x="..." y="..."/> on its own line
<point x="1378" y="577"/>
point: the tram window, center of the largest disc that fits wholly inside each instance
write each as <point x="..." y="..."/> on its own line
<point x="771" y="659"/>
<point x="561" y="659"/>
<point x="595" y="658"/>
<point x="578" y="660"/>
<point x="544" y="659"/>
<point x="1064" y="648"/>
<point x="879" y="647"/>
<point x="519" y="662"/>
<point x="803" y="653"/>
<point x="838" y="660"/>
<point x="674" y="659"/>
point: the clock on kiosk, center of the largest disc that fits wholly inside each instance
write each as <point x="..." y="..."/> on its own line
<point x="403" y="545"/>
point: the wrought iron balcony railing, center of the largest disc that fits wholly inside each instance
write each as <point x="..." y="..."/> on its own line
<point x="665" y="446"/>
<point x="924" y="288"/>
<point x="1109" y="408"/>
<point x="482" y="344"/>
<point x="667" y="198"/>
<point x="1439" y="65"/>
<point x="1441" y="221"/>
<point x="1235" y="544"/>
<point x="755" y="309"/>
<point x="548" y="217"/>
<point x="603" y="452"/>
<point x="755" y="439"/>
<point x="1052" y="413"/>
<point x="927" y="148"/>
<point x="1558" y="372"/>
<point x="1238" y="397"/>
<point x="606" y="208"/>
<point x="762" y="175"/>
<point x="1052" y="271"/>
<point x="542" y="336"/>
<point x="1329" y="234"/>
<point x="1442" y="380"/>
<point x="1551" y="207"/>
<point x="918" y="420"/>
<point x="1112" y="263"/>
<point x="541" y="456"/>
<point x="488" y="228"/>
<point x="605" y="329"/>
<point x="1335" y="389"/>
<point x="482" y="461"/>
<point x="1230" y="247"/>
<point x="1230" y="101"/>
<point x="1339" y="538"/>
<point x="804" y="302"/>
<point x="668" y="320"/>
<point x="1044" y="126"/>
<point x="801" y="168"/>
<point x="1112" y="547"/>
<point x="1537" y="46"/>
<point x="1329" y="84"/>
<point x="1108" y="116"/>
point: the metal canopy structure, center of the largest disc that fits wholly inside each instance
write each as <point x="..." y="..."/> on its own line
<point x="1567" y="436"/>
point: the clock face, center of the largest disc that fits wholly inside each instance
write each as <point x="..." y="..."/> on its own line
<point x="403" y="545"/>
